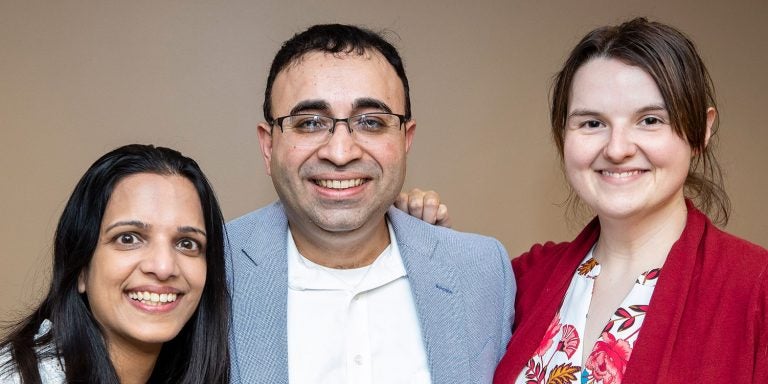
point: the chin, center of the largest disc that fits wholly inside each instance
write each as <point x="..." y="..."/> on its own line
<point x="157" y="334"/>
<point x="342" y="221"/>
<point x="157" y="338"/>
<point x="620" y="210"/>
<point x="340" y="226"/>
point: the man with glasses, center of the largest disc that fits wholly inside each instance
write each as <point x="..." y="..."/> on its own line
<point x="331" y="284"/>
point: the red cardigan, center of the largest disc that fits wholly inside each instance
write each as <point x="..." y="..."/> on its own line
<point x="708" y="317"/>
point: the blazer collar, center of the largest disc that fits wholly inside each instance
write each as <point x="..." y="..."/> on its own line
<point x="260" y="294"/>
<point x="439" y="301"/>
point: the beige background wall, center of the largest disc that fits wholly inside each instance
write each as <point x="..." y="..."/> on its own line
<point x="78" y="78"/>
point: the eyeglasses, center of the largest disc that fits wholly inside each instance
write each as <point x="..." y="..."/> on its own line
<point x="313" y="130"/>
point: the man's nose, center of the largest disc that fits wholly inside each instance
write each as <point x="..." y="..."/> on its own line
<point x="342" y="147"/>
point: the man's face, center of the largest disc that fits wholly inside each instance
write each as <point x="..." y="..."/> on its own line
<point x="345" y="184"/>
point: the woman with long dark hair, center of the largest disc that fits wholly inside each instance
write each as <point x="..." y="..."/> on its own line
<point x="138" y="292"/>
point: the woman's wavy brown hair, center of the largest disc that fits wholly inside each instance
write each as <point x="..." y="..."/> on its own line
<point x="671" y="59"/>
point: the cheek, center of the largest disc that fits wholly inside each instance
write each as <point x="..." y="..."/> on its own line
<point x="668" y="150"/>
<point x="572" y="159"/>
<point x="676" y="160"/>
<point x="105" y="270"/>
<point x="284" y="162"/>
<point x="580" y="151"/>
<point x="195" y="273"/>
<point x="390" y="155"/>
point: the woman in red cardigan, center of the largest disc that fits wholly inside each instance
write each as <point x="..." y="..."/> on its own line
<point x="650" y="291"/>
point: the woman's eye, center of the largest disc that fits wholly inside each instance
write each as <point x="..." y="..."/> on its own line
<point x="592" y="124"/>
<point x="127" y="239"/>
<point x="651" y="120"/>
<point x="189" y="245"/>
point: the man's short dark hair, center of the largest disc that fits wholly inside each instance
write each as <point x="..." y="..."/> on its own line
<point x="333" y="39"/>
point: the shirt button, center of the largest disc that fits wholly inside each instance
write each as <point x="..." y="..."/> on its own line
<point x="358" y="360"/>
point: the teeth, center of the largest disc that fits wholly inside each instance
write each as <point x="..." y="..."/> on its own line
<point x="339" y="184"/>
<point x="620" y="175"/>
<point x="151" y="298"/>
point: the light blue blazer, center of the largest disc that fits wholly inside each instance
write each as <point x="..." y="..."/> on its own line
<point x="462" y="285"/>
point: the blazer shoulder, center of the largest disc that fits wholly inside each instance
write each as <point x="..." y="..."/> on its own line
<point x="243" y="227"/>
<point x="450" y="246"/>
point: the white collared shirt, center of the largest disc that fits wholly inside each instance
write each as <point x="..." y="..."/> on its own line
<point x="355" y="326"/>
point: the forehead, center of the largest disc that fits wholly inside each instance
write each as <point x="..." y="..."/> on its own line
<point x="338" y="80"/>
<point x="153" y="197"/>
<point x="606" y="84"/>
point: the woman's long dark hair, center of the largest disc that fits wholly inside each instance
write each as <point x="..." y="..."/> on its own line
<point x="198" y="354"/>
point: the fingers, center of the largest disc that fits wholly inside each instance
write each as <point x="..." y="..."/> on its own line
<point x="430" y="204"/>
<point x="401" y="202"/>
<point x="416" y="203"/>
<point x="443" y="219"/>
<point x="424" y="205"/>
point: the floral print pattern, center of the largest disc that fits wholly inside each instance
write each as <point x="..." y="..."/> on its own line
<point x="608" y="360"/>
<point x="558" y="360"/>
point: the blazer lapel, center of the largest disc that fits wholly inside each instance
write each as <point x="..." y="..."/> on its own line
<point x="260" y="291"/>
<point x="438" y="300"/>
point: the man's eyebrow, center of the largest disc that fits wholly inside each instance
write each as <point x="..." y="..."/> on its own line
<point x="127" y="223"/>
<point x="368" y="102"/>
<point x="310" y="105"/>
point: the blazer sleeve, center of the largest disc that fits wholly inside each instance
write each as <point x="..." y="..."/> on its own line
<point x="510" y="289"/>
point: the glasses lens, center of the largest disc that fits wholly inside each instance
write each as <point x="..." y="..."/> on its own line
<point x="307" y="130"/>
<point x="374" y="124"/>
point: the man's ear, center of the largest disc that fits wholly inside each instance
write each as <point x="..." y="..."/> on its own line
<point x="410" y="130"/>
<point x="711" y="117"/>
<point x="264" y="132"/>
<point x="82" y="278"/>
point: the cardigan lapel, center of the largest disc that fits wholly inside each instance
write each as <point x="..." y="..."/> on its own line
<point x="438" y="300"/>
<point x="531" y="326"/>
<point x="260" y="308"/>
<point x="665" y="311"/>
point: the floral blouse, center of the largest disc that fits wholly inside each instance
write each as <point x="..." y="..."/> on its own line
<point x="559" y="356"/>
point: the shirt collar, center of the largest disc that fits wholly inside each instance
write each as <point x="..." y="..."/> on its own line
<point x="303" y="274"/>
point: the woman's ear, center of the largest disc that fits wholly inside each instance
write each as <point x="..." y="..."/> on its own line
<point x="81" y="280"/>
<point x="711" y="117"/>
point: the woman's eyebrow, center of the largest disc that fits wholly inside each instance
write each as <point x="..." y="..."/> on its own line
<point x="127" y="223"/>
<point x="190" y="229"/>
<point x="583" y="112"/>
<point x="652" y="108"/>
